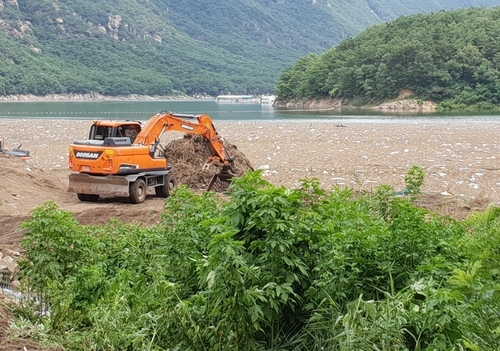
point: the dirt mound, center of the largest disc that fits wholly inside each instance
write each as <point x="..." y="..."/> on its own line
<point x="189" y="154"/>
<point x="25" y="186"/>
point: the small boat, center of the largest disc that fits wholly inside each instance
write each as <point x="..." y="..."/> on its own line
<point x="237" y="99"/>
<point x="267" y="100"/>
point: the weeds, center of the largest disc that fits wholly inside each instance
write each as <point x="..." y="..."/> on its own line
<point x="270" y="268"/>
<point x="414" y="179"/>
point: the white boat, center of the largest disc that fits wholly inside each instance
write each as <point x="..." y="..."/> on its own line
<point x="237" y="99"/>
<point x="267" y="100"/>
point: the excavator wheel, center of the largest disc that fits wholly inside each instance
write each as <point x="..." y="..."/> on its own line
<point x="166" y="189"/>
<point x="220" y="182"/>
<point x="88" y="197"/>
<point x="138" y="191"/>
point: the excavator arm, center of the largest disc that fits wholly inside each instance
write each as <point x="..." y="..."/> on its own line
<point x="201" y="125"/>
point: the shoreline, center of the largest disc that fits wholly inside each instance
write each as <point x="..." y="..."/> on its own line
<point x="316" y="104"/>
<point x="92" y="97"/>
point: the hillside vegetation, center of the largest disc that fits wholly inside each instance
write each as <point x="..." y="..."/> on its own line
<point x="164" y="47"/>
<point x="451" y="57"/>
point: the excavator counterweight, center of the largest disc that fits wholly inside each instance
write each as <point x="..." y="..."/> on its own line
<point x="82" y="183"/>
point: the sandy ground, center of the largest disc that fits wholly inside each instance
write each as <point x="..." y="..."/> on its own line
<point x="459" y="157"/>
<point x="460" y="160"/>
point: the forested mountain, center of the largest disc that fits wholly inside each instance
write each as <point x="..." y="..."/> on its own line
<point x="452" y="57"/>
<point x="188" y="46"/>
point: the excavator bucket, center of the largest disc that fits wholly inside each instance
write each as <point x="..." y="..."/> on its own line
<point x="82" y="183"/>
<point x="220" y="182"/>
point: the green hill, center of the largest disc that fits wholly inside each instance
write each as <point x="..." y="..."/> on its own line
<point x="162" y="46"/>
<point x="452" y="57"/>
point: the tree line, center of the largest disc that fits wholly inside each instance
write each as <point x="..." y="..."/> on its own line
<point x="451" y="57"/>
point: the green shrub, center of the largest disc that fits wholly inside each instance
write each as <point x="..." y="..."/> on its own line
<point x="269" y="268"/>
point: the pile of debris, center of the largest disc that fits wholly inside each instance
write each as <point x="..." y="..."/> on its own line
<point x="9" y="269"/>
<point x="189" y="154"/>
<point x="16" y="152"/>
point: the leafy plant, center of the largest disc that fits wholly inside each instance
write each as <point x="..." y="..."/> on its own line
<point x="414" y="179"/>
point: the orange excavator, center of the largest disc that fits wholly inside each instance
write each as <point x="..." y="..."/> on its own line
<point x="124" y="159"/>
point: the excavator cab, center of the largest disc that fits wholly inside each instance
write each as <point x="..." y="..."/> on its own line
<point x="100" y="133"/>
<point x="101" y="130"/>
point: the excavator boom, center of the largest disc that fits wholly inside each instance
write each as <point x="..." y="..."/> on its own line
<point x="193" y="124"/>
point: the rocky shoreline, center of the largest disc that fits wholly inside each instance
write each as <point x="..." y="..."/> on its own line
<point x="405" y="104"/>
<point x="98" y="97"/>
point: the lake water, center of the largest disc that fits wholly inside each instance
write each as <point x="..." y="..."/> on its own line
<point x="143" y="110"/>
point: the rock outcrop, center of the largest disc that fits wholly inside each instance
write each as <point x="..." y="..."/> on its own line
<point x="9" y="269"/>
<point x="402" y="105"/>
<point x="311" y="104"/>
<point x="408" y="105"/>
